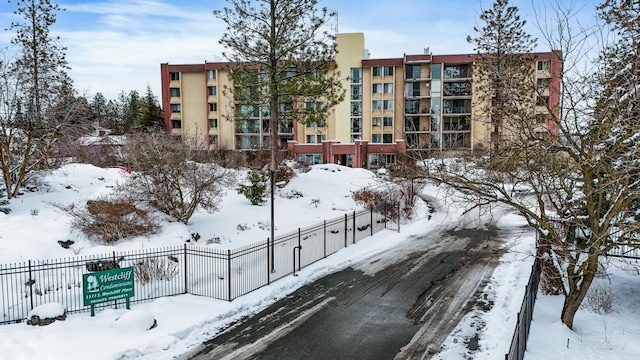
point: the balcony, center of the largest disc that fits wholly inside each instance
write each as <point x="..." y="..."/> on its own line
<point x="456" y="110"/>
<point x="457" y="89"/>
<point x="416" y="94"/>
<point x="452" y="72"/>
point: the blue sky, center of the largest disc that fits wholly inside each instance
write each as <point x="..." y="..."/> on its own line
<point x="118" y="45"/>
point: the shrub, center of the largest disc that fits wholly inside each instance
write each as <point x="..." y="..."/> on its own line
<point x="4" y="203"/>
<point x="155" y="269"/>
<point x="110" y="221"/>
<point x="256" y="191"/>
<point x="385" y="202"/>
<point x="599" y="299"/>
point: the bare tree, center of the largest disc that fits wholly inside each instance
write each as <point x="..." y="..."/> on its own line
<point x="165" y="175"/>
<point x="579" y="189"/>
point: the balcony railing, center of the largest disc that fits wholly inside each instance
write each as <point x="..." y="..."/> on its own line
<point x="456" y="110"/>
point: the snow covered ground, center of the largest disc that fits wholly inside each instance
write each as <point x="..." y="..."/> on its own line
<point x="33" y="228"/>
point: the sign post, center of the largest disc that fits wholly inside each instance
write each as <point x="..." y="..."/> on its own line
<point x="109" y="285"/>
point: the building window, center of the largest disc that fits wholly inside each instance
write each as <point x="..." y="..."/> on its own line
<point x="543" y="83"/>
<point x="213" y="107"/>
<point x="413" y="71"/>
<point x="388" y="104"/>
<point x="315" y="139"/>
<point x="377" y="88"/>
<point x="381" y="160"/>
<point x="317" y="123"/>
<point x="175" y="76"/>
<point x="211" y="74"/>
<point x="387" y="138"/>
<point x="376" y="121"/>
<point x="356" y="109"/>
<point x="248" y="127"/>
<point x="456" y="71"/>
<point x="376" y="104"/>
<point x="542" y="101"/>
<point x="355" y="125"/>
<point x="247" y="142"/>
<point x="356" y="92"/>
<point x="176" y="124"/>
<point x="388" y="88"/>
<point x="542" y="118"/>
<point x="213" y="123"/>
<point x="436" y="71"/>
<point x="175" y="108"/>
<point x="355" y="137"/>
<point x="376" y="138"/>
<point x="377" y="71"/>
<point x="388" y="70"/>
<point x="175" y="92"/>
<point x="212" y="90"/>
<point x="543" y="65"/>
<point x="356" y="75"/>
<point x="310" y="158"/>
<point x="213" y="139"/>
<point x="387" y="121"/>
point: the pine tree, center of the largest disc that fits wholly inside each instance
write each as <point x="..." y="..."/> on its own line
<point x="98" y="108"/>
<point x="282" y="63"/>
<point x="150" y="117"/>
<point x="504" y="72"/>
<point x="32" y="86"/>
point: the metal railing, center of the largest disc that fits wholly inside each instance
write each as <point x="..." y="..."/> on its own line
<point x="215" y="273"/>
<point x="521" y="333"/>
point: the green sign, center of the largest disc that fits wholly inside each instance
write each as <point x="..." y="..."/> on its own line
<point x="107" y="285"/>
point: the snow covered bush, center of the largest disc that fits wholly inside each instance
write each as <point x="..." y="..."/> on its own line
<point x="111" y="220"/>
<point x="256" y="190"/>
<point x="155" y="269"/>
<point x="599" y="299"/>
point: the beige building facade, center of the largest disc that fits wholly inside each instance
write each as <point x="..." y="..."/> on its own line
<point x="420" y="102"/>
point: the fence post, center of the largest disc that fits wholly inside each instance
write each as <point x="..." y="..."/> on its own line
<point x="371" y="220"/>
<point x="31" y="282"/>
<point x="299" y="250"/>
<point x="268" y="262"/>
<point x="324" y="235"/>
<point x="115" y="302"/>
<point x="186" y="269"/>
<point x="354" y="226"/>
<point x="229" y="273"/>
<point x="398" y="216"/>
<point x="346" y="229"/>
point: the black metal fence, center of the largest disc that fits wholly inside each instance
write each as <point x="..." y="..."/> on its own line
<point x="220" y="274"/>
<point x="521" y="333"/>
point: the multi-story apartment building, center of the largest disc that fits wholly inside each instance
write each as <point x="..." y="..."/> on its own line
<point x="420" y="102"/>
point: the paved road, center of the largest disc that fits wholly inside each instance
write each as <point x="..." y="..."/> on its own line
<point x="403" y="307"/>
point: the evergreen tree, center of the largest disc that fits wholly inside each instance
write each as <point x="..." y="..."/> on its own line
<point x="32" y="86"/>
<point x="129" y="108"/>
<point x="281" y="64"/>
<point x="99" y="108"/>
<point x="150" y="117"/>
<point x="505" y="74"/>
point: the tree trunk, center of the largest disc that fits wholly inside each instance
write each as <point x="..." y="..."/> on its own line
<point x="569" y="309"/>
<point x="577" y="292"/>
